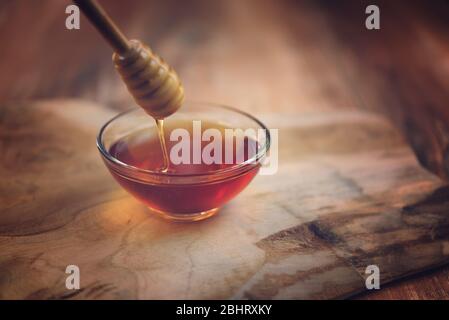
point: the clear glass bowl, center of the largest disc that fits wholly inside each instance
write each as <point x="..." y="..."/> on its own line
<point x="182" y="196"/>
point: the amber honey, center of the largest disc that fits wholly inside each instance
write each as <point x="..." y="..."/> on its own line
<point x="183" y="188"/>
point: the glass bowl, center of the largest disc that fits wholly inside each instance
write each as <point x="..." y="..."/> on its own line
<point x="182" y="195"/>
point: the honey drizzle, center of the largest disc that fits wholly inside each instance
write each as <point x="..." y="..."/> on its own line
<point x="160" y="133"/>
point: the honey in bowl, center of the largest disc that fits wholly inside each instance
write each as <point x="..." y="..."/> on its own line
<point x="194" y="188"/>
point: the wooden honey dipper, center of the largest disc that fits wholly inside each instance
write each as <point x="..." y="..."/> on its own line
<point x="154" y="85"/>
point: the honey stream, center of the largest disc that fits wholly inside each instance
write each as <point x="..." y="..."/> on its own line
<point x="160" y="133"/>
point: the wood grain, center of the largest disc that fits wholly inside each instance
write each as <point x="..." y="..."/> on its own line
<point x="295" y="58"/>
<point x="406" y="71"/>
<point x="350" y="195"/>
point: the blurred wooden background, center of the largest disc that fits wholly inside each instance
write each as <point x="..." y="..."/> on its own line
<point x="281" y="55"/>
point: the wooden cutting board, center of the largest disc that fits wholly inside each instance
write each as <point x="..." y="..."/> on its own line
<point x="348" y="194"/>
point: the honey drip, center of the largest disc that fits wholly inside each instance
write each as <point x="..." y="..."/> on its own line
<point x="160" y="133"/>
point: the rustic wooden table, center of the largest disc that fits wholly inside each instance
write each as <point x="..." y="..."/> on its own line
<point x="291" y="56"/>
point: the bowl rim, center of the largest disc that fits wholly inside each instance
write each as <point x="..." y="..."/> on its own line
<point x="220" y="173"/>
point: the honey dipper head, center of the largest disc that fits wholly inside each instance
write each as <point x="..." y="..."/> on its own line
<point x="154" y="85"/>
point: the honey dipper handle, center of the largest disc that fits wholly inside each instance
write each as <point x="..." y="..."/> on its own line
<point x="99" y="18"/>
